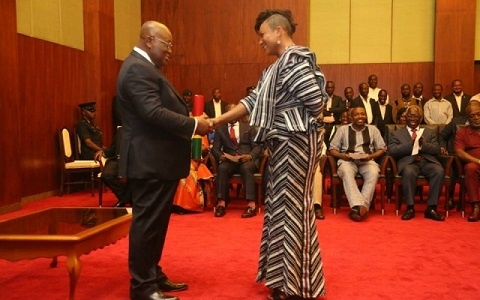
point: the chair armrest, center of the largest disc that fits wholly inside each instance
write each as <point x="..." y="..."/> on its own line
<point x="458" y="164"/>
<point x="333" y="164"/>
<point x="393" y="164"/>
<point x="385" y="162"/>
<point x="263" y="164"/>
<point x="209" y="160"/>
<point x="447" y="162"/>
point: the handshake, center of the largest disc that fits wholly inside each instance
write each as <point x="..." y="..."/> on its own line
<point x="206" y="125"/>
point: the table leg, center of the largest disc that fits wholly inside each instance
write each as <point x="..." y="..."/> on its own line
<point x="74" y="266"/>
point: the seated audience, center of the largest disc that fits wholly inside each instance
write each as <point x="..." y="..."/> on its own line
<point x="467" y="147"/>
<point x="446" y="139"/>
<point x="415" y="150"/>
<point x="438" y="110"/>
<point x="235" y="152"/>
<point x="110" y="170"/>
<point x="401" y="117"/>
<point x="356" y="146"/>
<point x="90" y="135"/>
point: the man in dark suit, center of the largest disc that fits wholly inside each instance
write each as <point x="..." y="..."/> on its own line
<point x="382" y="112"/>
<point x="110" y="170"/>
<point x="458" y="99"/>
<point x="235" y="151"/>
<point x="154" y="155"/>
<point x="216" y="107"/>
<point x="364" y="101"/>
<point x="415" y="150"/>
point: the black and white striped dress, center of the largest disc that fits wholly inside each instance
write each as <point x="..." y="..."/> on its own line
<point x="289" y="252"/>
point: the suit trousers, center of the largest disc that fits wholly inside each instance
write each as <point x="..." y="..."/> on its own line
<point x="110" y="178"/>
<point x="370" y="172"/>
<point x="152" y="204"/>
<point x="472" y="181"/>
<point x="434" y="174"/>
<point x="226" y="169"/>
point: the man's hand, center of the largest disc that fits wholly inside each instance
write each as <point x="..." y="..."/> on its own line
<point x="369" y="157"/>
<point x="346" y="157"/>
<point x="203" y="127"/>
<point x="98" y="155"/>
<point x="245" y="157"/>
<point x="443" y="151"/>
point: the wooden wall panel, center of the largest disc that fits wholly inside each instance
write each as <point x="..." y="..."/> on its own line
<point x="218" y="42"/>
<point x="390" y="76"/>
<point x="10" y="143"/>
<point x="454" y="43"/>
<point x="52" y="87"/>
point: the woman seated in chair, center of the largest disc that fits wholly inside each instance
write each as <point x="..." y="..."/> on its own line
<point x="190" y="196"/>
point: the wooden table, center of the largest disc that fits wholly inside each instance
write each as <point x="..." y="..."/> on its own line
<point x="63" y="231"/>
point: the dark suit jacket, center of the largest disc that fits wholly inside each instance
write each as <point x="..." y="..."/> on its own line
<point x="400" y="147"/>
<point x="223" y="144"/>
<point x="210" y="110"/>
<point x="447" y="135"/>
<point x="338" y="106"/>
<point x="377" y="117"/>
<point x="113" y="152"/>
<point x="459" y="111"/>
<point x="157" y="132"/>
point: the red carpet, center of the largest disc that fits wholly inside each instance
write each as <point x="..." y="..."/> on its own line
<point x="382" y="258"/>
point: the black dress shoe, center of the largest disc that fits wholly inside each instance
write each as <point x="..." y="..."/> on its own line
<point x="319" y="212"/>
<point x="155" y="296"/>
<point x="220" y="211"/>
<point x="451" y="204"/>
<point x="169" y="286"/>
<point x="249" y="212"/>
<point x="408" y="214"/>
<point x="354" y="214"/>
<point x="475" y="216"/>
<point x="431" y="213"/>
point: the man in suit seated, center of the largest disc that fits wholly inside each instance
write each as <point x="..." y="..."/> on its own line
<point x="467" y="147"/>
<point x="110" y="170"/>
<point x="415" y="150"/>
<point x="356" y="146"/>
<point x="235" y="151"/>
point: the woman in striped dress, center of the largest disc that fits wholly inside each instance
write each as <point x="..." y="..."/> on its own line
<point x="285" y="107"/>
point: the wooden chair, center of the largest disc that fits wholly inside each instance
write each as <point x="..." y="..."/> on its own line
<point x="71" y="166"/>
<point x="447" y="162"/>
<point x="337" y="182"/>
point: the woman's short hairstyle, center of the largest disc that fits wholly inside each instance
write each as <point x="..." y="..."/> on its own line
<point x="276" y="17"/>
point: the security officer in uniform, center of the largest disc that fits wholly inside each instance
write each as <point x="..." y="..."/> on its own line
<point x="90" y="135"/>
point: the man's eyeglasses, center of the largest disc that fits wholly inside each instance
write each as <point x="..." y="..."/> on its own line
<point x="168" y="44"/>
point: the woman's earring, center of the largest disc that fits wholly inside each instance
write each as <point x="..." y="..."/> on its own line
<point x="278" y="42"/>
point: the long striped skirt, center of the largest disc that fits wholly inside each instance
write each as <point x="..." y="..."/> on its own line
<point x="289" y="251"/>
